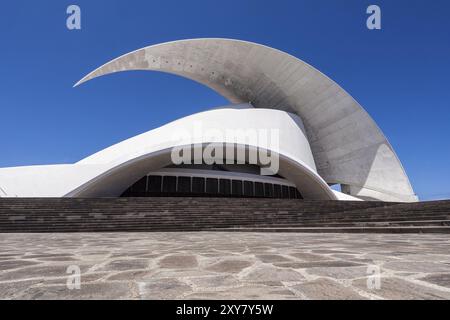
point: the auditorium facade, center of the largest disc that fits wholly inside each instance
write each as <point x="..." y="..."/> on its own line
<point x="288" y="131"/>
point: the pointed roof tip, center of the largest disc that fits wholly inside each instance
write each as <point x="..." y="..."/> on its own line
<point x="80" y="82"/>
<point x="87" y="78"/>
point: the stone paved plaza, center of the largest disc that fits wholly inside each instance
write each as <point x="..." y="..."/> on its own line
<point x="206" y="265"/>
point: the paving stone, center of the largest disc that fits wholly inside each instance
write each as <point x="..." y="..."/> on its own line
<point x="380" y="257"/>
<point x="244" y="293"/>
<point x="398" y="289"/>
<point x="427" y="257"/>
<point x="8" y="255"/>
<point x="344" y="256"/>
<point x="14" y="264"/>
<point x="163" y="289"/>
<point x="224" y="265"/>
<point x="124" y="265"/>
<point x="325" y="289"/>
<point x="417" y="266"/>
<point x="47" y="255"/>
<point x="339" y="272"/>
<point x="128" y="275"/>
<point x="230" y="266"/>
<point x="334" y="263"/>
<point x="271" y="258"/>
<point x="39" y="272"/>
<point x="180" y="273"/>
<point x="266" y="272"/>
<point x="292" y="265"/>
<point x="59" y="259"/>
<point x="442" y="279"/>
<point x="267" y="283"/>
<point x="260" y="249"/>
<point x="282" y="292"/>
<point x="8" y="258"/>
<point x="213" y="282"/>
<point x="178" y="262"/>
<point x="12" y="290"/>
<point x="137" y="254"/>
<point x="213" y="255"/>
<point x="87" y="291"/>
<point x="85" y="278"/>
<point x="304" y="256"/>
<point x="327" y="251"/>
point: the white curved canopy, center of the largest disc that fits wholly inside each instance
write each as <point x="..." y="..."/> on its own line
<point x="347" y="145"/>
<point x="133" y="158"/>
<point x="109" y="172"/>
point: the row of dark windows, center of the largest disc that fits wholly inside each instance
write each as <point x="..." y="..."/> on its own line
<point x="199" y="186"/>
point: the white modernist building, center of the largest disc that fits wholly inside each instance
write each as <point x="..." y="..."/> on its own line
<point x="324" y="137"/>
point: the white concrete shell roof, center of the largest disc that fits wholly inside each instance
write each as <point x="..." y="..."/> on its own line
<point x="347" y="145"/>
<point x="109" y="172"/>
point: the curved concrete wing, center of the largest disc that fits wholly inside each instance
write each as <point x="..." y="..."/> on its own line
<point x="127" y="161"/>
<point x="348" y="147"/>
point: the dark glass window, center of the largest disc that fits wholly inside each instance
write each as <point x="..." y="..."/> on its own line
<point x="259" y="189"/>
<point x="212" y="185"/>
<point x="276" y="191"/>
<point x="248" y="189"/>
<point x="127" y="193"/>
<point x="154" y="184"/>
<point x="285" y="192"/>
<point x="236" y="187"/>
<point x="184" y="185"/>
<point x="268" y="190"/>
<point x="169" y="184"/>
<point x="198" y="185"/>
<point x="225" y="186"/>
<point x="292" y="192"/>
<point x="140" y="185"/>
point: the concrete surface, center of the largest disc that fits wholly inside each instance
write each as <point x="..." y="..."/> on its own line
<point x="109" y="172"/>
<point x="347" y="145"/>
<point x="225" y="266"/>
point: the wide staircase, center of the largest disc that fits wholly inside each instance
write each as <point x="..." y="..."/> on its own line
<point x="23" y="215"/>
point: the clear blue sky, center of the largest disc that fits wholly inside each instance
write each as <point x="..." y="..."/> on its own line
<point x="401" y="74"/>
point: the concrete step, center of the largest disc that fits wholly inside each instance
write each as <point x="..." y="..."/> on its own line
<point x="233" y="214"/>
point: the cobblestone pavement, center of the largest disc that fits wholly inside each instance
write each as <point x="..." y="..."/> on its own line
<point x="225" y="266"/>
